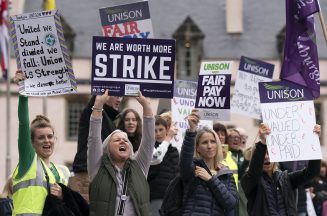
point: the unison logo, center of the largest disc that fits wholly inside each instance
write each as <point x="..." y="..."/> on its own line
<point x="291" y="94"/>
<point x="256" y="69"/>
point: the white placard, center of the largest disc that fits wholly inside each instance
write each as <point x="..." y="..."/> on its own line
<point x="292" y="137"/>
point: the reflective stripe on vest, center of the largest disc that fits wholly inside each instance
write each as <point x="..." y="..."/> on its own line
<point x="29" y="214"/>
<point x="38" y="181"/>
<point x="30" y="191"/>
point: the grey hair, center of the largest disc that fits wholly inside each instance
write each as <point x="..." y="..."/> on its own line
<point x="106" y="142"/>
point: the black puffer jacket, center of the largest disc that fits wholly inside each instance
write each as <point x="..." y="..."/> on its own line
<point x="109" y="115"/>
<point x="288" y="182"/>
<point x="218" y="196"/>
<point x="160" y="175"/>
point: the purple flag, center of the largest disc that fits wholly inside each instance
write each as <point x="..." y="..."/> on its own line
<point x="301" y="64"/>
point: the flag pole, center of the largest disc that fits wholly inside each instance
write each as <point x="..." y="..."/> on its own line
<point x="323" y="25"/>
<point x="8" y="119"/>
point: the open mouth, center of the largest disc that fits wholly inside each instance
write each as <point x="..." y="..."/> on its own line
<point x="266" y="163"/>
<point x="46" y="147"/>
<point x="122" y="148"/>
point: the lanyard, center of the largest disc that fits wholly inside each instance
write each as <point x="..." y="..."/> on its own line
<point x="123" y="196"/>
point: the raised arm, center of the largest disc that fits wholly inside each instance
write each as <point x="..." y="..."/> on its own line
<point x="144" y="153"/>
<point x="251" y="178"/>
<point x="94" y="141"/>
<point x="186" y="160"/>
<point x="25" y="147"/>
<point x="160" y="152"/>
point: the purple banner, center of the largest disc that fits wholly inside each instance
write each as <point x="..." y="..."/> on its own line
<point x="256" y="67"/>
<point x="301" y="64"/>
<point x="213" y="91"/>
<point x="283" y="91"/>
<point x="126" y="65"/>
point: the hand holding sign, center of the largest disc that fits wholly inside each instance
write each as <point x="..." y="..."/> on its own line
<point x="317" y="129"/>
<point x="19" y="76"/>
<point x="145" y="103"/>
<point x="193" y="120"/>
<point x="264" y="130"/>
<point x="100" y="100"/>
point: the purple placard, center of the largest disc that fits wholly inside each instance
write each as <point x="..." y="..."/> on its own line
<point x="256" y="67"/>
<point x="185" y="89"/>
<point x="215" y="91"/>
<point x="283" y="91"/>
<point x="130" y="20"/>
<point x="126" y="65"/>
<point x="124" y="13"/>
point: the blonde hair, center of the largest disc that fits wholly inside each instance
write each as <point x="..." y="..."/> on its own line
<point x="167" y="117"/>
<point x="219" y="154"/>
<point x="40" y="121"/>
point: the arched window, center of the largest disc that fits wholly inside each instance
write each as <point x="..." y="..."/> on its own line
<point x="189" y="49"/>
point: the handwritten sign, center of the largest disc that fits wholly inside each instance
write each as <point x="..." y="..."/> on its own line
<point x="181" y="106"/>
<point x="289" y="111"/>
<point x="128" y="65"/>
<point x="130" y="20"/>
<point x="246" y="98"/>
<point x="213" y="94"/>
<point x="41" y="54"/>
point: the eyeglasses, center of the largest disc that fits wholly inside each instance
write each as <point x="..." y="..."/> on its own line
<point x="235" y="138"/>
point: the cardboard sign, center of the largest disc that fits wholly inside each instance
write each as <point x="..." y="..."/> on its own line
<point x="181" y="106"/>
<point x="246" y="98"/>
<point x="289" y="111"/>
<point x="130" y="20"/>
<point x="125" y="66"/>
<point x="213" y="94"/>
<point x="41" y="54"/>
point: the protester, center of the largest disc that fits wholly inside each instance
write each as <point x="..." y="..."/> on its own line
<point x="164" y="165"/>
<point x="118" y="177"/>
<point x="244" y="137"/>
<point x="270" y="191"/>
<point x="35" y="175"/>
<point x="292" y="166"/>
<point x="210" y="186"/>
<point x="319" y="189"/>
<point x="80" y="180"/>
<point x="235" y="146"/>
<point x="221" y="131"/>
<point x="130" y="122"/>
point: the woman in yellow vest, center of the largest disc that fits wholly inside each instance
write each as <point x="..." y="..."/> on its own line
<point x="35" y="175"/>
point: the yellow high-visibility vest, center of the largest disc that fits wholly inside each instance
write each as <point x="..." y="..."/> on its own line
<point x="232" y="165"/>
<point x="30" y="191"/>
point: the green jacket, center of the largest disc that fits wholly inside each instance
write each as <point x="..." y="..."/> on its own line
<point x="103" y="189"/>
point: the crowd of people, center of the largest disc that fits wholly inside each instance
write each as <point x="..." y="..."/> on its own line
<point x="125" y="163"/>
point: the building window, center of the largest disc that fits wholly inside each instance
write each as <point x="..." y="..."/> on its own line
<point x="234" y="16"/>
<point x="189" y="46"/>
<point x="75" y="106"/>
